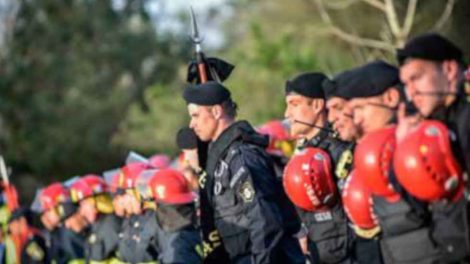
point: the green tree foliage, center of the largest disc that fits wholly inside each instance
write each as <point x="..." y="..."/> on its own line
<point x="73" y="71"/>
<point x="275" y="40"/>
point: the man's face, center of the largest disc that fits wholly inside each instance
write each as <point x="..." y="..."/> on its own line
<point x="300" y="108"/>
<point x="368" y="115"/>
<point x="335" y="107"/>
<point x="423" y="79"/>
<point x="76" y="222"/>
<point x="202" y="121"/>
<point x="344" y="123"/>
<point x="50" y="219"/>
<point x="18" y="226"/>
<point x="118" y="205"/>
<point x="131" y="205"/>
<point x="88" y="209"/>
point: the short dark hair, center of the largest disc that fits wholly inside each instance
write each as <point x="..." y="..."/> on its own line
<point x="230" y="108"/>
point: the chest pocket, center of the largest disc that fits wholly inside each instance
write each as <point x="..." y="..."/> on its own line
<point x="224" y="196"/>
<point x="95" y="247"/>
<point x="231" y="223"/>
<point x="330" y="236"/>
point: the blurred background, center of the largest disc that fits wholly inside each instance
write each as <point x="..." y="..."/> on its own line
<point x="85" y="81"/>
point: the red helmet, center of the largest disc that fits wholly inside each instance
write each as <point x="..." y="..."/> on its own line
<point x="357" y="202"/>
<point x="169" y="186"/>
<point x="275" y="129"/>
<point x="87" y="186"/>
<point x="425" y="165"/>
<point x="160" y="161"/>
<point x="53" y="195"/>
<point x="111" y="177"/>
<point x="130" y="173"/>
<point x="308" y="180"/>
<point x="279" y="138"/>
<point x="372" y="159"/>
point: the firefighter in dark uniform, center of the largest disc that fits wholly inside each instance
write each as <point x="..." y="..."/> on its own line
<point x="137" y="240"/>
<point x="65" y="246"/>
<point x="91" y="192"/>
<point x="188" y="160"/>
<point x="33" y="244"/>
<point x="433" y="71"/>
<point x="329" y="238"/>
<point x="252" y="215"/>
<point x="404" y="221"/>
<point x="178" y="238"/>
<point x="340" y="116"/>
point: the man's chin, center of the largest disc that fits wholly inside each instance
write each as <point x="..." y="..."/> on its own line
<point x="203" y="138"/>
<point x="296" y="133"/>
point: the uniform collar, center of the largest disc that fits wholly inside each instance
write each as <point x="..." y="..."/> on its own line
<point x="318" y="138"/>
<point x="444" y="114"/>
<point x="238" y="131"/>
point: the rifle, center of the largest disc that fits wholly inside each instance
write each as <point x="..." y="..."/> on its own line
<point x="203" y="69"/>
<point x="213" y="249"/>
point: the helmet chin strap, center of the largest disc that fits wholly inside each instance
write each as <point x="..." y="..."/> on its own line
<point x="434" y="93"/>
<point x="315" y="126"/>
<point x="384" y="106"/>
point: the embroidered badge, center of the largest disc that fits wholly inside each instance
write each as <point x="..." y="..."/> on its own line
<point x="35" y="251"/>
<point x="247" y="192"/>
<point x="92" y="238"/>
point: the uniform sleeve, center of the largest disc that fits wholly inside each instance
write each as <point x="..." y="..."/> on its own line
<point x="254" y="183"/>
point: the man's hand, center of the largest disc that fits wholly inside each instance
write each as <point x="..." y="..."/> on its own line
<point x="192" y="158"/>
<point x="405" y="123"/>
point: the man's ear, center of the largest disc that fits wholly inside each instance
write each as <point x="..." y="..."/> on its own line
<point x="391" y="97"/>
<point x="318" y="105"/>
<point x="450" y="68"/>
<point x="216" y="111"/>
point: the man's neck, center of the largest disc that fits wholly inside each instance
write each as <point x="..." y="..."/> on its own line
<point x="321" y="122"/>
<point x="450" y="99"/>
<point x="221" y="127"/>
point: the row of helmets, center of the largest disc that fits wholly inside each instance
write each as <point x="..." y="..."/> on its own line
<point x="422" y="164"/>
<point x="151" y="178"/>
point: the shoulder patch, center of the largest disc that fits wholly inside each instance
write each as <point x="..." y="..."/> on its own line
<point x="35" y="251"/>
<point x="247" y="192"/>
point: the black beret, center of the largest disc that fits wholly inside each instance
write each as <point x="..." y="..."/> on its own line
<point x="186" y="138"/>
<point x="307" y="84"/>
<point x="338" y="86"/>
<point x="19" y="213"/>
<point x="209" y="93"/>
<point x="371" y="79"/>
<point x="430" y="46"/>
